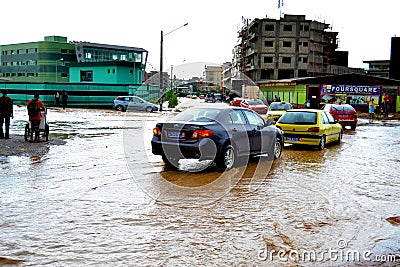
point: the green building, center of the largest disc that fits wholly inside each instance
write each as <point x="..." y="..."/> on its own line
<point x="42" y="61"/>
<point x="100" y="63"/>
<point x="92" y="74"/>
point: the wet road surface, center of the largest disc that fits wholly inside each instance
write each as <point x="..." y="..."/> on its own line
<point x="102" y="199"/>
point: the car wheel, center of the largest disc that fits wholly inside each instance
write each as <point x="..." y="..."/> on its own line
<point x="149" y="109"/>
<point x="353" y="127"/>
<point x="227" y="159"/>
<point x="278" y="148"/>
<point x="119" y="108"/>
<point x="170" y="162"/>
<point x="322" y="141"/>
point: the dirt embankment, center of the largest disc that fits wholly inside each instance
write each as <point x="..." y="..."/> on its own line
<point x="17" y="146"/>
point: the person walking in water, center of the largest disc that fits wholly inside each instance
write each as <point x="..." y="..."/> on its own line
<point x="371" y="109"/>
<point x="34" y="107"/>
<point x="64" y="99"/>
<point x="6" y="112"/>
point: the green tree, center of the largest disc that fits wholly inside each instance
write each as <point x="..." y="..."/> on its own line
<point x="172" y="98"/>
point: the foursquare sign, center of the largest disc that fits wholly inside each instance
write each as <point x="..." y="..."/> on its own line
<point x="350" y="89"/>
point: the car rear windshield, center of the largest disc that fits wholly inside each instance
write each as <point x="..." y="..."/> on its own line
<point x="255" y="102"/>
<point x="342" y="107"/>
<point x="197" y="115"/>
<point x="299" y="118"/>
<point x="280" y="106"/>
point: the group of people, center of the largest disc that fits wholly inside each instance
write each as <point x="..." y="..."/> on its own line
<point x="384" y="106"/>
<point x="64" y="98"/>
<point x="34" y="106"/>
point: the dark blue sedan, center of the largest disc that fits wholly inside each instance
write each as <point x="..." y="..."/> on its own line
<point x="218" y="133"/>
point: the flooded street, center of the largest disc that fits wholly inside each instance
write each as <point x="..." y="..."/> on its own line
<point x="102" y="199"/>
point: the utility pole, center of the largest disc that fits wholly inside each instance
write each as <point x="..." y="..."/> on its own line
<point x="161" y="60"/>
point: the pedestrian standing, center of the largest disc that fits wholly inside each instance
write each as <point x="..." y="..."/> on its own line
<point x="57" y="98"/>
<point x="34" y="107"/>
<point x="64" y="99"/>
<point x="386" y="104"/>
<point x="371" y="109"/>
<point x="6" y="113"/>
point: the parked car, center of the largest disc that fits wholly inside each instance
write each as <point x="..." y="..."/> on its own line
<point x="210" y="97"/>
<point x="121" y="103"/>
<point x="255" y="104"/>
<point x="309" y="127"/>
<point x="236" y="101"/>
<point x="213" y="97"/>
<point x="202" y="96"/>
<point x="276" y="110"/>
<point x="344" y="113"/>
<point x="220" y="133"/>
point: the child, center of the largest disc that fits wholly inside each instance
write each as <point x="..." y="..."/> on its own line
<point x="371" y="109"/>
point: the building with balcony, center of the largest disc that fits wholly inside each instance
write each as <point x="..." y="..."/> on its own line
<point x="291" y="47"/>
<point x="56" y="60"/>
<point x="379" y="68"/>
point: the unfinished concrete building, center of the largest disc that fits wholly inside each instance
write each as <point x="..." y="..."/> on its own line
<point x="291" y="47"/>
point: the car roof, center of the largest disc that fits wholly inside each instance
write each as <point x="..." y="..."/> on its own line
<point x="305" y="110"/>
<point x="281" y="102"/>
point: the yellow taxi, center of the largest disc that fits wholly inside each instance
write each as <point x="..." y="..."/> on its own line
<point x="276" y="110"/>
<point x="312" y="127"/>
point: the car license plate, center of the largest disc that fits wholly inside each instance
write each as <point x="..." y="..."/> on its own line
<point x="295" y="139"/>
<point x="172" y="134"/>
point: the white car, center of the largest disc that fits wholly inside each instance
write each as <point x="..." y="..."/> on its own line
<point x="121" y="103"/>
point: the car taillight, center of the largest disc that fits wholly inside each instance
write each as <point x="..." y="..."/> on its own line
<point x="201" y="134"/>
<point x="313" y="129"/>
<point x="157" y="131"/>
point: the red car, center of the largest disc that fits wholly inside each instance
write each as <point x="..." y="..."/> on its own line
<point x="255" y="104"/>
<point x="344" y="113"/>
<point x="236" y="101"/>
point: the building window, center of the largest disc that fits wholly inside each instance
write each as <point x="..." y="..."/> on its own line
<point x="113" y="70"/>
<point x="287" y="44"/>
<point x="287" y="28"/>
<point x="304" y="44"/>
<point x="305" y="60"/>
<point x="108" y="71"/>
<point x="287" y="60"/>
<point x="64" y="51"/>
<point x="269" y="43"/>
<point x="131" y="71"/>
<point x="86" y="76"/>
<point x="269" y="27"/>
<point x="268" y="59"/>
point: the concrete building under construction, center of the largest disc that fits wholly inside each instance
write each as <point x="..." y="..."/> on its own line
<point x="291" y="47"/>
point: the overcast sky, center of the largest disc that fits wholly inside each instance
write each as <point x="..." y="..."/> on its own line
<point x="365" y="27"/>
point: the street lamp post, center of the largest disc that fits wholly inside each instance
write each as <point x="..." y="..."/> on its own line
<point x="161" y="59"/>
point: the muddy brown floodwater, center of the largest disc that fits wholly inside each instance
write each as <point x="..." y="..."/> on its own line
<point x="102" y="199"/>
